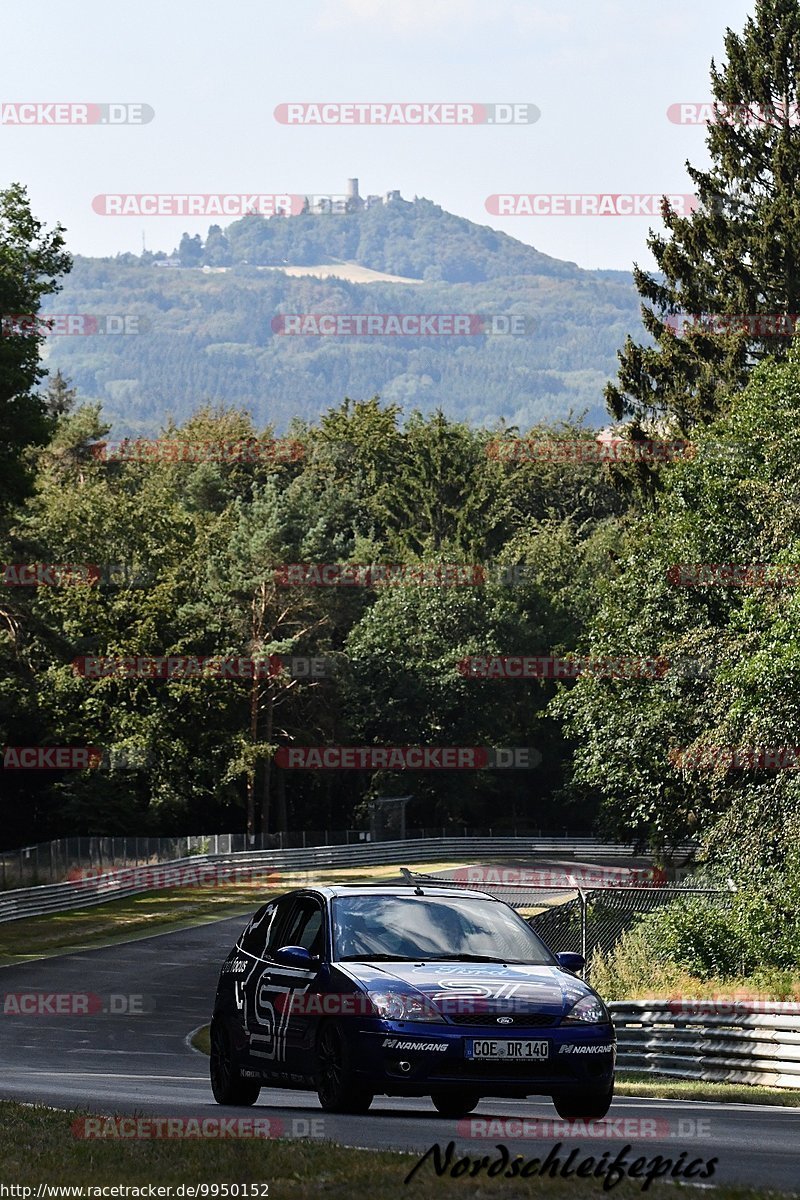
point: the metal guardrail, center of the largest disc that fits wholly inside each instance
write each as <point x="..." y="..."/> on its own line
<point x="82" y="893"/>
<point x="726" y="1042"/>
<point x="68" y="858"/>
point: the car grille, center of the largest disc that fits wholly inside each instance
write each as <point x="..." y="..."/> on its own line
<point x="534" y="1020"/>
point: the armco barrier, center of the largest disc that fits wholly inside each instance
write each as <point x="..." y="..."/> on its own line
<point x="735" y="1042"/>
<point x="61" y="897"/>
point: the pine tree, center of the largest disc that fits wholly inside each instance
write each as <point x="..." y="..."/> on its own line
<point x="738" y="253"/>
<point x="59" y="397"/>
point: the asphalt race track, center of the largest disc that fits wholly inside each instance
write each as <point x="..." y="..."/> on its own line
<point x="120" y="1063"/>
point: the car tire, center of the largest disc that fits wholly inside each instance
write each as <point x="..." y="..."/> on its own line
<point x="226" y="1082"/>
<point x="586" y="1105"/>
<point x="455" y="1104"/>
<point x="333" y="1077"/>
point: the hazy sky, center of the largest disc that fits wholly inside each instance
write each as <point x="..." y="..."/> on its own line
<point x="602" y="72"/>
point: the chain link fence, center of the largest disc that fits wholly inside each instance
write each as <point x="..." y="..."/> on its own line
<point x="582" y="915"/>
<point x="79" y="857"/>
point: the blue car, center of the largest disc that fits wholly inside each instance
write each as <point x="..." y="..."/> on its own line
<point x="406" y="991"/>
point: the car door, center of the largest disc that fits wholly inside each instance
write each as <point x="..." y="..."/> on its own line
<point x="303" y="925"/>
<point x="262" y="1013"/>
<point x="277" y="1035"/>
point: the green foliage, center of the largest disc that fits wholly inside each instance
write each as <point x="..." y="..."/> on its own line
<point x="738" y="253"/>
<point x="31" y="261"/>
<point x="733" y="650"/>
<point x="201" y="542"/>
<point x="700" y="936"/>
<point x="750" y="939"/>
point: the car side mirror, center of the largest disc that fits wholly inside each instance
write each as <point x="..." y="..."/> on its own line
<point x="294" y="956"/>
<point x="571" y="962"/>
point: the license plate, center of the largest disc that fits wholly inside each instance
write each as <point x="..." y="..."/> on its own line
<point x="505" y="1048"/>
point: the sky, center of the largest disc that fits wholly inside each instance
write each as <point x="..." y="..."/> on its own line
<point x="601" y="72"/>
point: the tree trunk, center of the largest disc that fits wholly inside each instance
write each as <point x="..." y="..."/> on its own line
<point x="251" y="774"/>
<point x="267" y="768"/>
<point x="280" y="797"/>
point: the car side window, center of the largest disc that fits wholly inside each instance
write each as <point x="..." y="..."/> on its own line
<point x="254" y="940"/>
<point x="304" y="927"/>
<point x="281" y="925"/>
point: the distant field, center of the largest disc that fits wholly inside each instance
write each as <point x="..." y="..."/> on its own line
<point x="351" y="271"/>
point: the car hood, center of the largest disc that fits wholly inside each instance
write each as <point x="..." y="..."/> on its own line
<point x="493" y="987"/>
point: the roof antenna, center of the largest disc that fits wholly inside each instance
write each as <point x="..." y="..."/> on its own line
<point x="404" y="871"/>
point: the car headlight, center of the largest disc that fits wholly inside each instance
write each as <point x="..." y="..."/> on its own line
<point x="589" y="1010"/>
<point x="402" y="1006"/>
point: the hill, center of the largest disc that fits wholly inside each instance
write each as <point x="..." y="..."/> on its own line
<point x="207" y="328"/>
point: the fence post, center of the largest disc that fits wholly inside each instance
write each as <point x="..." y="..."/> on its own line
<point x="583" y="901"/>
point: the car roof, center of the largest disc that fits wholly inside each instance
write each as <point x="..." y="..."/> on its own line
<point x="402" y="891"/>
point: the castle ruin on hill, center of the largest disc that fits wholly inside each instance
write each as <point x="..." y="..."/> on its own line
<point x="349" y="201"/>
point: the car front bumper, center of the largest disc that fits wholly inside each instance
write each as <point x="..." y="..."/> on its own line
<point x="411" y="1058"/>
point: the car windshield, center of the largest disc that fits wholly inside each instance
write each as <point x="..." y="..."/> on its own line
<point x="424" y="928"/>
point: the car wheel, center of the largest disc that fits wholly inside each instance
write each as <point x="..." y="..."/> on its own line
<point x="335" y="1087"/>
<point x="586" y="1105"/>
<point x="455" y="1104"/>
<point x="226" y="1082"/>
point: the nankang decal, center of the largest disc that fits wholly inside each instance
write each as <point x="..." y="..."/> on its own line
<point x="394" y="1044"/>
<point x="586" y="1049"/>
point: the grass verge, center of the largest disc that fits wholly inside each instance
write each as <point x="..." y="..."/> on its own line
<point x="38" y="1146"/>
<point x="633" y="1083"/>
<point x="201" y="1039"/>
